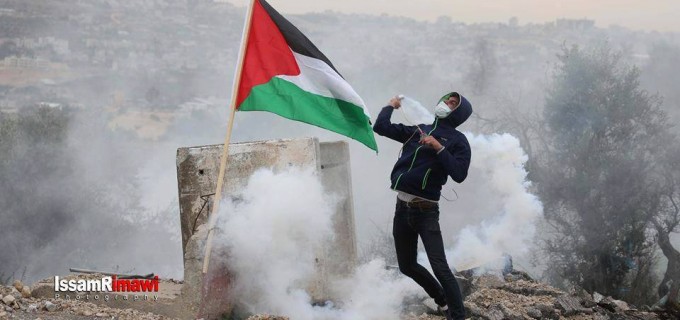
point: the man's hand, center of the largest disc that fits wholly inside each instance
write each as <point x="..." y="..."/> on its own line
<point x="432" y="142"/>
<point x="395" y="103"/>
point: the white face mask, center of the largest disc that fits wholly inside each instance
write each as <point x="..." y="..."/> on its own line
<point x="441" y="110"/>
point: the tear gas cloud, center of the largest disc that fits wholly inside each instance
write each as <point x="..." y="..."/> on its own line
<point x="510" y="227"/>
<point x="272" y="235"/>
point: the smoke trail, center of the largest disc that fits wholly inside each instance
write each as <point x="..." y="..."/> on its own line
<point x="414" y="112"/>
<point x="499" y="160"/>
<point x="272" y="234"/>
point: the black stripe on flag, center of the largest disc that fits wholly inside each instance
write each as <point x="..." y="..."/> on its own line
<point x="296" y="40"/>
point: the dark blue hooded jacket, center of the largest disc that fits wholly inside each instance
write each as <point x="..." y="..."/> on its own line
<point x="420" y="171"/>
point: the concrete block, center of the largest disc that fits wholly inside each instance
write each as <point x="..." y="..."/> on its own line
<point x="197" y="170"/>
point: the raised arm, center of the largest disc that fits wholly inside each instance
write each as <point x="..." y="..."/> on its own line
<point x="395" y="131"/>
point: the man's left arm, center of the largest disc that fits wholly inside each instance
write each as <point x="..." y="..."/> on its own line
<point x="456" y="160"/>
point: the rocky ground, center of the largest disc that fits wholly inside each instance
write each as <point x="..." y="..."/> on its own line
<point x="18" y="303"/>
<point x="514" y="296"/>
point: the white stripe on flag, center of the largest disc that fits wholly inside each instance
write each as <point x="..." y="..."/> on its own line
<point x="319" y="78"/>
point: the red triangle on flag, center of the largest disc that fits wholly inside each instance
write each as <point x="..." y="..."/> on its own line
<point x="267" y="54"/>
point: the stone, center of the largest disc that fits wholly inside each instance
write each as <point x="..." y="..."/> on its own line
<point x="547" y="311"/>
<point x="8" y="299"/>
<point x="568" y="305"/>
<point x="510" y="314"/>
<point x="26" y="292"/>
<point x="32" y="308"/>
<point x="18" y="285"/>
<point x="609" y="304"/>
<point x="494" y="313"/>
<point x="648" y="316"/>
<point x="87" y="313"/>
<point x="465" y="285"/>
<point x="621" y="305"/>
<point x="101" y="315"/>
<point x="588" y="303"/>
<point x="44" y="290"/>
<point x="489" y="280"/>
<point x="517" y="275"/>
<point x="534" y="313"/>
<point x="597" y="297"/>
<point x="3" y="314"/>
<point x="474" y="310"/>
<point x="598" y="316"/>
<point x="585" y="298"/>
<point x="51" y="307"/>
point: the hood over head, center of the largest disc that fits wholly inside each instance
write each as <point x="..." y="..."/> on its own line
<point x="458" y="116"/>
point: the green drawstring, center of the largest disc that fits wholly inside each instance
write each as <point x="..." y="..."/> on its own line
<point x="425" y="179"/>
<point x="409" y="168"/>
<point x="414" y="159"/>
<point x="397" y="183"/>
<point x="436" y="120"/>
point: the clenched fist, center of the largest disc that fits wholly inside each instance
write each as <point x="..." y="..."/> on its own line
<point x="432" y="142"/>
<point x="395" y="103"/>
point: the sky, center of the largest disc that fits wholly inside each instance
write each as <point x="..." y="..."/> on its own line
<point x="646" y="15"/>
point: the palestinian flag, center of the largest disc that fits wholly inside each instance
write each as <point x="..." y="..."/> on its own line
<point x="284" y="73"/>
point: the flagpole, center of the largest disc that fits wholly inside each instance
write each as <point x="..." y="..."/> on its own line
<point x="225" y="150"/>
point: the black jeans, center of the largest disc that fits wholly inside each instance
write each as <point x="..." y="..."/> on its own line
<point x="409" y="223"/>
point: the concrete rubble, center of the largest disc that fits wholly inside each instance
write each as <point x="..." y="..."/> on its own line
<point x="515" y="296"/>
<point x="15" y="305"/>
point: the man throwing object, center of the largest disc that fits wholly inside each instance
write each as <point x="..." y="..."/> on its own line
<point x="430" y="154"/>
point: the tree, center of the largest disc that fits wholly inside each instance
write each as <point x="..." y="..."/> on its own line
<point x="668" y="222"/>
<point x="598" y="179"/>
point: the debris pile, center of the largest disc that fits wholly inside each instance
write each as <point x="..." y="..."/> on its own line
<point x="515" y="296"/>
<point x="17" y="302"/>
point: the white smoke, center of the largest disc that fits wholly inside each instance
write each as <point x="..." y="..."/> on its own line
<point x="414" y="112"/>
<point x="272" y="234"/>
<point x="498" y="161"/>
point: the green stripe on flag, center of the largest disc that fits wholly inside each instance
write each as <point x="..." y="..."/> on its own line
<point x="288" y="100"/>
